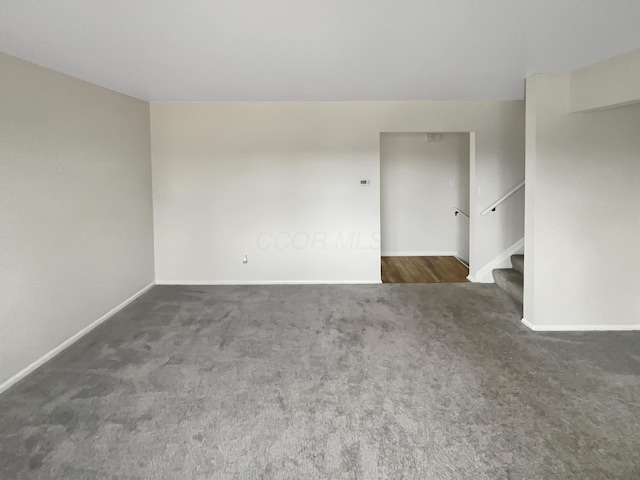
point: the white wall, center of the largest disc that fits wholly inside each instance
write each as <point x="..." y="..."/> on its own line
<point x="75" y="207"/>
<point x="230" y="178"/>
<point x="615" y="81"/>
<point x="421" y="181"/>
<point x="583" y="212"/>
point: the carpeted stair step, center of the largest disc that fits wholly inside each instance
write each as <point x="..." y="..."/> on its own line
<point x="518" y="263"/>
<point x="510" y="280"/>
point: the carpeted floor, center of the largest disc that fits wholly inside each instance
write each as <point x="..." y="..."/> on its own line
<point x="328" y="382"/>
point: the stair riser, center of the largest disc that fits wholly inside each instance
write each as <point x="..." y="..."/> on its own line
<point x="510" y="281"/>
<point x="518" y="263"/>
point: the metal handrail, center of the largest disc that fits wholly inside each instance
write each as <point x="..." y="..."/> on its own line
<point x="494" y="205"/>
<point x="458" y="211"/>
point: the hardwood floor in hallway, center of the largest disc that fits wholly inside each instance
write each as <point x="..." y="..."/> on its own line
<point x="423" y="270"/>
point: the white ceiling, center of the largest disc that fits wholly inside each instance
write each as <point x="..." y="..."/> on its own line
<point x="196" y="50"/>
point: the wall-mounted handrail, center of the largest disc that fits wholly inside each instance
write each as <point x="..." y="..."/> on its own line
<point x="494" y="205"/>
<point x="458" y="211"/>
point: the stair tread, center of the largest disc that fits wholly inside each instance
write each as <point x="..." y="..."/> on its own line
<point x="511" y="281"/>
<point x="518" y="263"/>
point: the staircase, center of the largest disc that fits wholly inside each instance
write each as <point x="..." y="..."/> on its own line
<point x="511" y="280"/>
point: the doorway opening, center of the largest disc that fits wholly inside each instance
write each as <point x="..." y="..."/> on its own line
<point x="424" y="207"/>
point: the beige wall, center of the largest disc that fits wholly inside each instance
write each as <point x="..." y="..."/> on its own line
<point x="279" y="181"/>
<point x="615" y="81"/>
<point x="75" y="207"/>
<point x="583" y="212"/>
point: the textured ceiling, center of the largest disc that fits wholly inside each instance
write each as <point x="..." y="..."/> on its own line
<point x="197" y="50"/>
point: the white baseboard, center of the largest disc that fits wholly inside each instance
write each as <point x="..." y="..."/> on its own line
<point x="268" y="282"/>
<point x="419" y="253"/>
<point x="484" y="275"/>
<point x="50" y="355"/>
<point x="580" y="328"/>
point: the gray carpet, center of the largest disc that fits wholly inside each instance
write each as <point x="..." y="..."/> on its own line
<point x="328" y="382"/>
